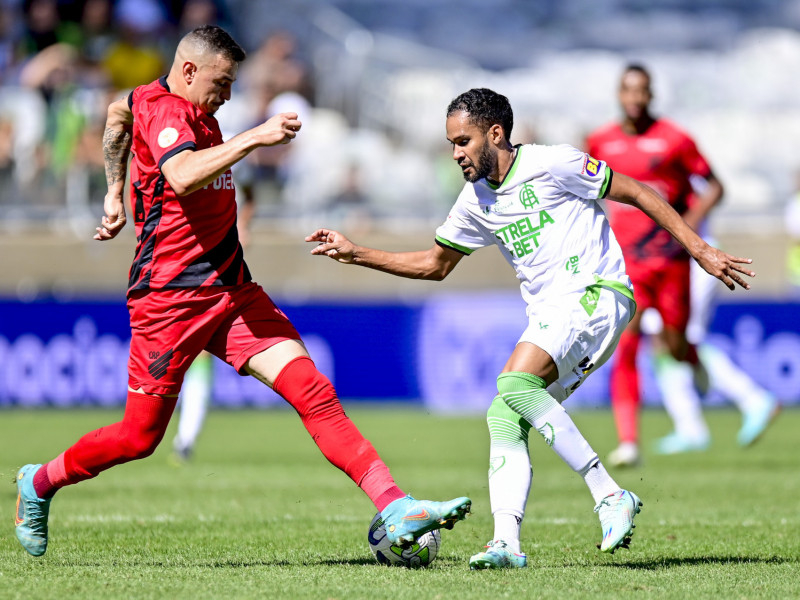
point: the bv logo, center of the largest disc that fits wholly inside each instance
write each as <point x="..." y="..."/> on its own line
<point x="591" y="166"/>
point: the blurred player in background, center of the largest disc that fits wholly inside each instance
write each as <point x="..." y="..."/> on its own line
<point x="190" y="290"/>
<point x="719" y="373"/>
<point x="656" y="152"/>
<point x="539" y="205"/>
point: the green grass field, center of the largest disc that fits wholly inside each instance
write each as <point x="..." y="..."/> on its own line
<point x="260" y="514"/>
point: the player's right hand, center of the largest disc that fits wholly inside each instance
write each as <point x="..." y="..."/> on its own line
<point x="114" y="220"/>
<point x="280" y="129"/>
<point x="333" y="245"/>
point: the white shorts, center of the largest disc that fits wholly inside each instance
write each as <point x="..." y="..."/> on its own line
<point x="578" y="342"/>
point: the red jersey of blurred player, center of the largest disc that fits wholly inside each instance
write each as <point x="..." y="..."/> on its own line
<point x="658" y="153"/>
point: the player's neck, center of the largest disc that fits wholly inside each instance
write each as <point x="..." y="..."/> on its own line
<point x="638" y="126"/>
<point x="505" y="160"/>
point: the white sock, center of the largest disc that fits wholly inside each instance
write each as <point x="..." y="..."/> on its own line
<point x="506" y="528"/>
<point x="600" y="483"/>
<point x="675" y="380"/>
<point x="730" y="380"/>
<point x="194" y="400"/>
<point x="510" y="471"/>
<point x="561" y="434"/>
<point x="523" y="394"/>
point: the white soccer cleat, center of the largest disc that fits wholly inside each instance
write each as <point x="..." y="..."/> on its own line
<point x="625" y="455"/>
<point x="616" y="512"/>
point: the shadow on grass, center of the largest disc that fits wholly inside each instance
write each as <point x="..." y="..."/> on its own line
<point x="669" y="563"/>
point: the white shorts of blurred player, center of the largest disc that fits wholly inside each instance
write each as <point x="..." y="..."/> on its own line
<point x="580" y="331"/>
<point x="678" y="382"/>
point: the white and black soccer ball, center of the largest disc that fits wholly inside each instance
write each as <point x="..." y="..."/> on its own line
<point x="419" y="554"/>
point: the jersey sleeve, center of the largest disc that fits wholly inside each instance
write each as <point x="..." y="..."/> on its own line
<point x="459" y="232"/>
<point x="691" y="159"/>
<point x="580" y="173"/>
<point x="170" y="129"/>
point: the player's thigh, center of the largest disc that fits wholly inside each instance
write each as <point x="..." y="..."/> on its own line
<point x="674" y="298"/>
<point x="585" y="335"/>
<point x="256" y="327"/>
<point x="527" y="357"/>
<point x="168" y="330"/>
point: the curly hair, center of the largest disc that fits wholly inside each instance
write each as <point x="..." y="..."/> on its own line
<point x="485" y="108"/>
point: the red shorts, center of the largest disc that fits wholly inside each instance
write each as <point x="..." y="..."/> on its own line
<point x="664" y="287"/>
<point x="169" y="328"/>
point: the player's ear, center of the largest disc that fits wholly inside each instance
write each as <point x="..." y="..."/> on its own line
<point x="496" y="134"/>
<point x="189" y="71"/>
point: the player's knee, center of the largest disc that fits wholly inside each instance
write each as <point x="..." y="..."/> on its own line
<point x="500" y="410"/>
<point x="310" y="392"/>
<point x="505" y="424"/>
<point x="515" y="381"/>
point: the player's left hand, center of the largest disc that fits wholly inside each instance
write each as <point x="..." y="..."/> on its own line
<point x="725" y="267"/>
<point x="333" y="245"/>
<point x="114" y="220"/>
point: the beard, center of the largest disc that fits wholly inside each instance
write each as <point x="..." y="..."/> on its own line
<point x="484" y="165"/>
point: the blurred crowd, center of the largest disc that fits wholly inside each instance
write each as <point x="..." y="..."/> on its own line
<point x="371" y="89"/>
<point x="62" y="62"/>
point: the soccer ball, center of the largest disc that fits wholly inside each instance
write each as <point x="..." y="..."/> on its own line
<point x="419" y="554"/>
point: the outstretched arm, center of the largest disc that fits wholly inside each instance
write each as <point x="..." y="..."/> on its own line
<point x="721" y="265"/>
<point x="434" y="264"/>
<point x="116" y="148"/>
<point x="189" y="171"/>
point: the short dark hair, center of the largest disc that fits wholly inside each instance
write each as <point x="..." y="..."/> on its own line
<point x="637" y="68"/>
<point x="212" y="38"/>
<point x="485" y="108"/>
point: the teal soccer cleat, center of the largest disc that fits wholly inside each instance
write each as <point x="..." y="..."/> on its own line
<point x="756" y="421"/>
<point x="675" y="443"/>
<point x="497" y="556"/>
<point x="32" y="513"/>
<point x="406" y="518"/>
<point x="616" y="512"/>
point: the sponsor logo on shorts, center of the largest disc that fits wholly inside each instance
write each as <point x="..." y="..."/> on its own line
<point x="158" y="367"/>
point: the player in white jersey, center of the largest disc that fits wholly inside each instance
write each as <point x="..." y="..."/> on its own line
<point x="538" y="204"/>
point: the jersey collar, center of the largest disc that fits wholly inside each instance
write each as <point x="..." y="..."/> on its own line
<point x="511" y="171"/>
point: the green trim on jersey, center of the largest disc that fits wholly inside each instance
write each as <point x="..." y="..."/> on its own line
<point x="454" y="246"/>
<point x="618" y="287"/>
<point x="511" y="171"/>
<point x="603" y="191"/>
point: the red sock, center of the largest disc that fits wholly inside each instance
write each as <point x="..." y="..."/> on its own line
<point x="624" y="384"/>
<point x="313" y="397"/>
<point x="136" y="436"/>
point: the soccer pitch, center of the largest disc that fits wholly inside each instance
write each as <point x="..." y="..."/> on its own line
<point x="259" y="513"/>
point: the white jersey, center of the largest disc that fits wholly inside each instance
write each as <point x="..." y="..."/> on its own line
<point x="546" y="221"/>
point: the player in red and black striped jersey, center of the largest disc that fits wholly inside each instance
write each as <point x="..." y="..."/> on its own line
<point x="183" y="241"/>
<point x="190" y="290"/>
<point x="659" y="154"/>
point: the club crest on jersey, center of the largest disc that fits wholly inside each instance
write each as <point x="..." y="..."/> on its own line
<point x="527" y="196"/>
<point x="591" y="166"/>
<point x="167" y="137"/>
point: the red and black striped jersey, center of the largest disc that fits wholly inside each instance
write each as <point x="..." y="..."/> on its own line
<point x="665" y="158"/>
<point x="182" y="241"/>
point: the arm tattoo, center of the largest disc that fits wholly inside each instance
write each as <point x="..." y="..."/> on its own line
<point x="116" y="147"/>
